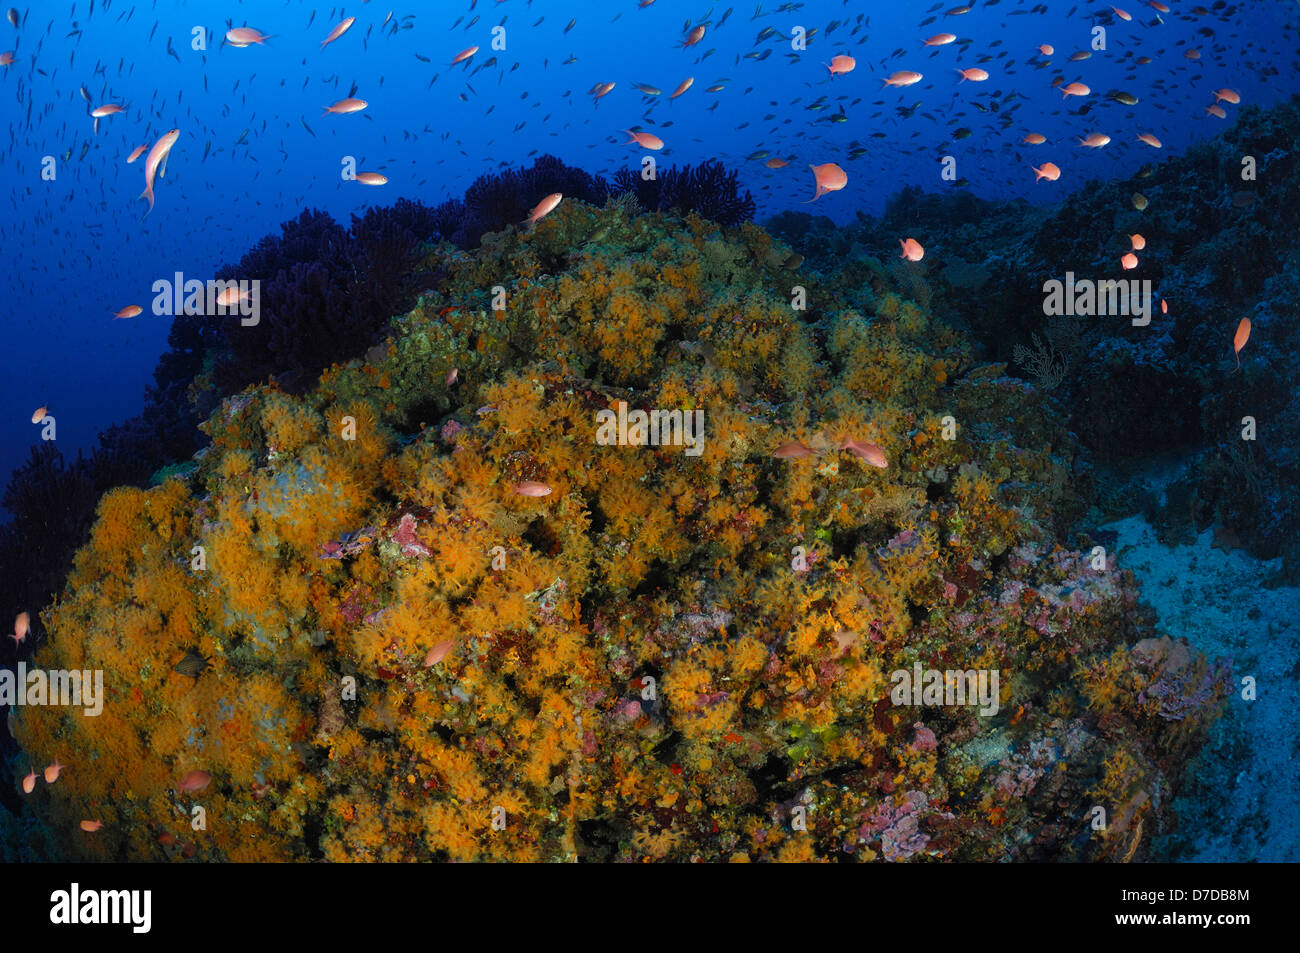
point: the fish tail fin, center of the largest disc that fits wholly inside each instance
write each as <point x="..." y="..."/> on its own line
<point x="146" y="194"/>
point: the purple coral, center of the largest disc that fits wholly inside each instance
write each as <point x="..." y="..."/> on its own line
<point x="707" y="189"/>
<point x="898" y="827"/>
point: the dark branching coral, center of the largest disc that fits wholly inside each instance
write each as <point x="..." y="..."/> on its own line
<point x="708" y="189"/>
<point x="327" y="293"/>
<point x="496" y="200"/>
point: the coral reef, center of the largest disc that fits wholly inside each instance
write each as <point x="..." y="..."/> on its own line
<point x="1220" y="244"/>
<point x="351" y="618"/>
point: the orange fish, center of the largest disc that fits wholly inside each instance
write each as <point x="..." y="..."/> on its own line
<point x="686" y="84"/>
<point x="1048" y="171"/>
<point x="1046" y="49"/>
<point x="793" y="450"/>
<point x="1216" y="110"/>
<point x="372" y="178"/>
<point x="1227" y="96"/>
<point x="464" y="54"/>
<point x="91" y="826"/>
<point x="829" y="178"/>
<point x="348" y="105"/>
<point x="545" y="207"/>
<point x="6" y="59"/>
<point x="136" y="153"/>
<point x="912" y="249"/>
<point x="194" y="781"/>
<point x="23" y="621"/>
<point x="109" y="109"/>
<point x="1138" y="241"/>
<point x="868" y="452"/>
<point x="1122" y="14"/>
<point x="903" y="77"/>
<point x="452" y="376"/>
<point x="1157" y="6"/>
<point x="337" y="32"/>
<point x="694" y="36"/>
<point x="1095" y="140"/>
<point x="839" y="65"/>
<point x="29" y="782"/>
<point x="1240" y="338"/>
<point x="242" y="36"/>
<point x="1150" y="140"/>
<point x="645" y="140"/>
<point x="941" y="39"/>
<point x="1034" y="138"/>
<point x="974" y="74"/>
<point x="533" y="488"/>
<point x="230" y="296"/>
<point x="39" y="414"/>
<point x="1074" y="89"/>
<point x="602" y="89"/>
<point x="776" y="163"/>
<point x="52" y="771"/>
<point x="1129" y="261"/>
<point x="437" y="653"/>
<point x="130" y="311"/>
<point x="156" y="163"/>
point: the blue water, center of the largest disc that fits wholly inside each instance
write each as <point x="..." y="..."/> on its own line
<point x="76" y="248"/>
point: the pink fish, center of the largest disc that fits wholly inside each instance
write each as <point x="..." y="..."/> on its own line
<point x="532" y="488"/>
<point x="645" y="140"/>
<point x="839" y="65"/>
<point x="52" y="771"/>
<point x="29" y="782"/>
<point x="242" y="36"/>
<point x="903" y="77"/>
<point x="912" y="249"/>
<point x="23" y="621"/>
<point x="792" y="450"/>
<point x="1048" y="171"/>
<point x="136" y="153"/>
<point x="868" y="452"/>
<point x="545" y="207"/>
<point x="463" y="55"/>
<point x="156" y="163"/>
<point x="338" y="31"/>
<point x="829" y="178"/>
<point x="91" y="826"/>
<point x="194" y="781"/>
<point x="437" y="653"/>
<point x="348" y="105"/>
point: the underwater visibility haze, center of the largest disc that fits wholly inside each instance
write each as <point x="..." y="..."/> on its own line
<point x="650" y="430"/>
